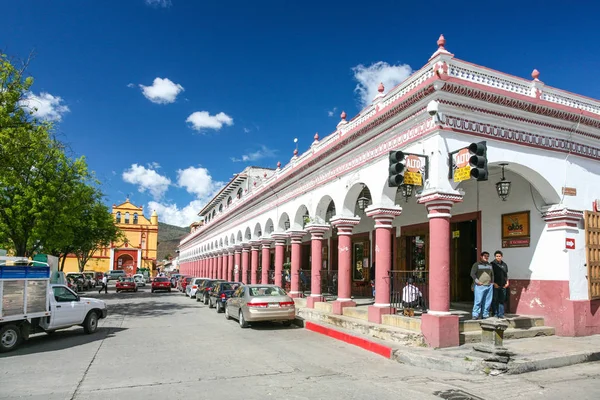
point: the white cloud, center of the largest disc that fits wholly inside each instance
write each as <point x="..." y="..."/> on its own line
<point x="263" y="152"/>
<point x="369" y="78"/>
<point x="162" y="91"/>
<point x="153" y="165"/>
<point x="197" y="180"/>
<point x="147" y="180"/>
<point x="203" y="120"/>
<point x="45" y="106"/>
<point x="331" y="113"/>
<point x="173" y="215"/>
<point x="130" y="85"/>
<point x="246" y="130"/>
<point x="159" y="3"/>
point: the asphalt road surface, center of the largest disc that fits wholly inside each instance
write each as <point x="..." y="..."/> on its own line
<point x="166" y="346"/>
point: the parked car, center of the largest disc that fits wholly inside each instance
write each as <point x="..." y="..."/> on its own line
<point x="180" y="280"/>
<point x="160" y="284"/>
<point x="220" y="293"/>
<point x="251" y="303"/>
<point x="126" y="284"/>
<point x="91" y="275"/>
<point x="184" y="282"/>
<point x="204" y="290"/>
<point x="115" y="274"/>
<point x="140" y="280"/>
<point x="192" y="287"/>
<point x="82" y="282"/>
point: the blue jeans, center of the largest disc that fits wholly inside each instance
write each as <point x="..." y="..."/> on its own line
<point x="483" y="299"/>
<point x="499" y="300"/>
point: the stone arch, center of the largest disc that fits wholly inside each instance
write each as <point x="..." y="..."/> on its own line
<point x="539" y="182"/>
<point x="240" y="238"/>
<point x="269" y="227"/>
<point x="350" y="206"/>
<point x="257" y="231"/>
<point x="301" y="218"/>
<point x="325" y="209"/>
<point x="281" y="224"/>
<point x="247" y="234"/>
<point x="232" y="240"/>
<point x="226" y="241"/>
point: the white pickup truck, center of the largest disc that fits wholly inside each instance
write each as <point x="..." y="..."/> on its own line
<point x="31" y="304"/>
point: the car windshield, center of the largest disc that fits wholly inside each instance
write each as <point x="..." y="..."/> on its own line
<point x="161" y="280"/>
<point x="265" y="291"/>
<point x="187" y="280"/>
<point x="229" y="286"/>
<point x="126" y="279"/>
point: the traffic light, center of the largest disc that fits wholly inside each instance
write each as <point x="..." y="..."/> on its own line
<point x="396" y="169"/>
<point x="478" y="161"/>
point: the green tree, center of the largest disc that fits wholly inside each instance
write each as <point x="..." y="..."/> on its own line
<point x="38" y="181"/>
<point x="96" y="229"/>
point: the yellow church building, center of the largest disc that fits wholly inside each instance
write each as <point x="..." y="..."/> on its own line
<point x="138" y="250"/>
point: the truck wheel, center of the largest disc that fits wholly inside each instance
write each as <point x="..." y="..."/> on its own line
<point x="90" y="325"/>
<point x="10" y="338"/>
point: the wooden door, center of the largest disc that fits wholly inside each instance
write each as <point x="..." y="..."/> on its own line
<point x="463" y="253"/>
<point x="592" y="253"/>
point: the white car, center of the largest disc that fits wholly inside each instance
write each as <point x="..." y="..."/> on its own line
<point x="192" y="287"/>
<point x="139" y="279"/>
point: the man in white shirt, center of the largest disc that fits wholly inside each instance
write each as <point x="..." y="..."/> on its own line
<point x="411" y="295"/>
<point x="104" y="285"/>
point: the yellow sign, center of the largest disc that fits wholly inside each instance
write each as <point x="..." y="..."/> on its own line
<point x="462" y="174"/>
<point x="413" y="178"/>
<point x="455" y="234"/>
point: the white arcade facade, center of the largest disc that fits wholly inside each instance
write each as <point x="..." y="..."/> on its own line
<point x="329" y="222"/>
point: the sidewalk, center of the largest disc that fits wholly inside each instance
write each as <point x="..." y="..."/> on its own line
<point x="526" y="355"/>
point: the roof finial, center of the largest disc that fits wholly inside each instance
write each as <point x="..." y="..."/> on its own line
<point x="295" y="152"/>
<point x="343" y="115"/>
<point x="380" y="88"/>
<point x="535" y="74"/>
<point x="441" y="42"/>
<point x="278" y="164"/>
<point x="317" y="136"/>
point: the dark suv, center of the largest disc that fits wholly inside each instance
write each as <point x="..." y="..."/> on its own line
<point x="204" y="290"/>
<point x="219" y="294"/>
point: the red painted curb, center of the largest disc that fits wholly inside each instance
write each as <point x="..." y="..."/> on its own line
<point x="354" y="340"/>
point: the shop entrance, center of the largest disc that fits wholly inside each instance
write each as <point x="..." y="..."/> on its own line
<point x="463" y="254"/>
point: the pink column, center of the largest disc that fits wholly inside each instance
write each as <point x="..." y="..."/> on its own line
<point x="245" y="262"/>
<point x="212" y="267"/>
<point x="280" y="239"/>
<point x="220" y="266"/>
<point x="316" y="248"/>
<point x="237" y="259"/>
<point x="439" y="327"/>
<point x="254" y="262"/>
<point x="230" y="264"/>
<point x="344" y="226"/>
<point x="225" y="265"/>
<point x="383" y="260"/>
<point x="266" y="261"/>
<point x="296" y="239"/>
<point x="204" y="272"/>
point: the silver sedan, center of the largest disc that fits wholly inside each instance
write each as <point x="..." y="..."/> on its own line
<point x="252" y="303"/>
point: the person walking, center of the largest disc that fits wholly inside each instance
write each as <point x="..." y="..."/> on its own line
<point x="104" y="285"/>
<point x="500" y="284"/>
<point x="482" y="273"/>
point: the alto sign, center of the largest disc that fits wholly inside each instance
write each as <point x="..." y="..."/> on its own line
<point x="570" y="244"/>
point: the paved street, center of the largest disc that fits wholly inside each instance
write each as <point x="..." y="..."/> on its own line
<point x="168" y="346"/>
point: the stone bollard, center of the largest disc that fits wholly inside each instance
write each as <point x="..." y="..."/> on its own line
<point x="492" y="349"/>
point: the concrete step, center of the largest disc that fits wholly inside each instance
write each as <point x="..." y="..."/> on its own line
<point x="400" y="321"/>
<point x="517" y="322"/>
<point x="510" y="333"/>
<point x="324" y="306"/>
<point x="356" y="312"/>
<point x="362" y="327"/>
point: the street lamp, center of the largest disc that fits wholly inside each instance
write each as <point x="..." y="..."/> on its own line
<point x="286" y="224"/>
<point x="407" y="191"/>
<point x="503" y="187"/>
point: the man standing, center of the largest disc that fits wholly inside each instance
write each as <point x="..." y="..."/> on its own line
<point x="482" y="273"/>
<point x="104" y="285"/>
<point x="500" y="284"/>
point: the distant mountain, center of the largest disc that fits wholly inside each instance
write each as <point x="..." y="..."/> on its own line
<point x="169" y="237"/>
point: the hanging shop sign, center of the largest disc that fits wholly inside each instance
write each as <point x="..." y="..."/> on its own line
<point x="516" y="229"/>
<point x="460" y="169"/>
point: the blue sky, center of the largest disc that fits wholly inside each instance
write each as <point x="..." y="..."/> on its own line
<point x="167" y="99"/>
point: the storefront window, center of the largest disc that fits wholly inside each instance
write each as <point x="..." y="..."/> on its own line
<point x="360" y="261"/>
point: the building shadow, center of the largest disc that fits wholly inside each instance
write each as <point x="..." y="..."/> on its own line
<point x="60" y="340"/>
<point x="147" y="308"/>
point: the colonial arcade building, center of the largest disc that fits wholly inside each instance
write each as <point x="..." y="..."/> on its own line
<point x="329" y="222"/>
